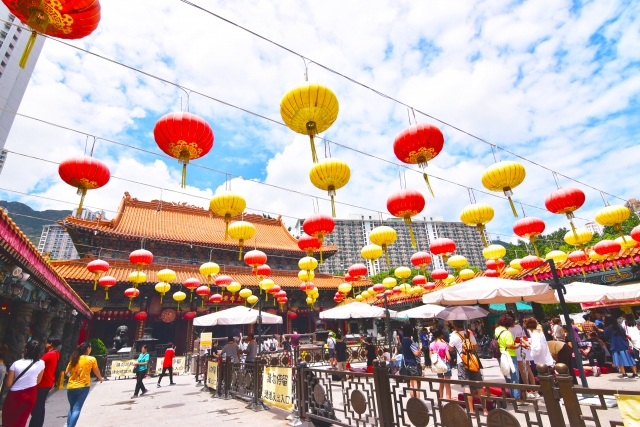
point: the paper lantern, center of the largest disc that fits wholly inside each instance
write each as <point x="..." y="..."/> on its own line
<point x="510" y="271"/>
<point x="183" y="136"/>
<point x="215" y="299"/>
<point x="594" y="256"/>
<point x="292" y="315"/>
<point x="365" y="294"/>
<point x="280" y="294"/>
<point x="189" y="315"/>
<point x="192" y="284"/>
<point x="252" y="299"/>
<point x="222" y="282"/>
<point x="227" y="205"/>
<point x="492" y="273"/>
<point x="330" y="175"/>
<point x="308" y="263"/>
<point x="504" y="176"/>
<point x="358" y="271"/>
<point x="255" y="259"/>
<point x="449" y="279"/>
<point x="208" y="270"/>
<point x="162" y="288"/>
<point x="635" y="233"/>
<point x="457" y="262"/>
<point x="344" y="288"/>
<point x="245" y="293"/>
<point x="402" y="273"/>
<point x="241" y="231"/>
<point x="578" y="237"/>
<point x="530" y="261"/>
<point x="419" y="280"/>
<point x="309" y="109"/>
<point x="627" y="243"/>
<point x="309" y="244"/>
<point x="96" y="267"/>
<point x="613" y="216"/>
<point x="608" y="249"/>
<point x="418" y="144"/>
<point x="495" y="264"/>
<point x="275" y="290"/>
<point x="166" y="275"/>
<point x="466" y="274"/>
<point x="203" y="291"/>
<point x="137" y="277"/>
<point x="389" y="282"/>
<point x="477" y="215"/>
<point x="530" y="228"/>
<point x="565" y="201"/>
<point x="262" y="271"/>
<point x="429" y="286"/>
<point x="443" y="247"/>
<point x="494" y="252"/>
<point x="515" y="263"/>
<point x="234" y="287"/>
<point x="396" y="290"/>
<point x="306" y="275"/>
<point x="140" y="316"/>
<point x="558" y="258"/>
<point x="359" y="298"/>
<point x="371" y="253"/>
<point x="439" y="274"/>
<point x="307" y="287"/>
<point x="179" y="297"/>
<point x="84" y="173"/>
<point x="318" y="226"/>
<point x="405" y="204"/>
<point x="378" y="287"/>
<point x="383" y="236"/>
<point x="131" y="293"/>
<point x="107" y="282"/>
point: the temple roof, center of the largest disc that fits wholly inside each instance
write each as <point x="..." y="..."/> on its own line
<point x="179" y="222"/>
<point x="76" y="271"/>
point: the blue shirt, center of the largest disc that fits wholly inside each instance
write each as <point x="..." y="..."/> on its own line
<point x="144" y="357"/>
<point x="407" y="353"/>
<point x="616" y="342"/>
<point x="425" y="339"/>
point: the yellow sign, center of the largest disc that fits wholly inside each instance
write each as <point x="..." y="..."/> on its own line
<point x="212" y="375"/>
<point x="277" y="387"/>
<point x="179" y="365"/>
<point x="122" y="368"/>
<point x="205" y="341"/>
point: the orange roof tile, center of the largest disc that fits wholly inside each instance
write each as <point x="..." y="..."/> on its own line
<point x="175" y="222"/>
<point x="76" y="271"/>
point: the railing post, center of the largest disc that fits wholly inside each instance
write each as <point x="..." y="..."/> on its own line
<point x="257" y="404"/>
<point x="197" y="368"/>
<point x="228" y="372"/>
<point x="297" y="406"/>
<point x="547" y="384"/>
<point x="567" y="393"/>
<point x="383" y="393"/>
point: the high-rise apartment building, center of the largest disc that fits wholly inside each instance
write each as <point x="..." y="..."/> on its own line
<point x="634" y="205"/>
<point x="13" y="79"/>
<point x="55" y="241"/>
<point x="594" y="227"/>
<point x="351" y="234"/>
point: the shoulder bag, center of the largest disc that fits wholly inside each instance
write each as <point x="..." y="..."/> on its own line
<point x="22" y="373"/>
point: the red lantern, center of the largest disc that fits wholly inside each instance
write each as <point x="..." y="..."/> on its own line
<point x="141" y="258"/>
<point x="106" y="282"/>
<point x="309" y="244"/>
<point x="131" y="293"/>
<point x="274" y="291"/>
<point x="64" y="19"/>
<point x="84" y="173"/>
<point x="255" y="259"/>
<point x="429" y="286"/>
<point x="281" y="294"/>
<point x="417" y="144"/>
<point x="405" y="204"/>
<point x="96" y="267"/>
<point x="189" y="316"/>
<point x="492" y="264"/>
<point x="421" y="260"/>
<point x="529" y="227"/>
<point x="388" y="292"/>
<point x="443" y="247"/>
<point x="378" y="287"/>
<point x="607" y="249"/>
<point x="419" y="280"/>
<point x="292" y="315"/>
<point x="492" y="273"/>
<point x="565" y="201"/>
<point x="262" y="271"/>
<point x="530" y="261"/>
<point x="396" y="290"/>
<point x="184" y="136"/>
<point x="318" y="226"/>
<point x="358" y="271"/>
<point x="222" y="282"/>
<point x="306" y="287"/>
<point x="192" y="284"/>
<point x="140" y="316"/>
<point x="203" y="291"/>
<point x="337" y="299"/>
<point x="635" y="233"/>
<point x="349" y="278"/>
<point x="439" y="274"/>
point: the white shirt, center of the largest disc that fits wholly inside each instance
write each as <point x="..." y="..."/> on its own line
<point x="456" y="342"/>
<point x="331" y="343"/>
<point x="30" y="378"/>
<point x="540" y="349"/>
<point x="518" y="332"/>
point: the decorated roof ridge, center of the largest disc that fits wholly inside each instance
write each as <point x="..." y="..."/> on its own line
<point x="395" y="299"/>
<point x="275" y="236"/>
<point x="79" y="304"/>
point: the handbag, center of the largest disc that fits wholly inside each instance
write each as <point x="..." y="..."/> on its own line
<point x="410" y="370"/>
<point x="506" y="364"/>
<point x="438" y="366"/>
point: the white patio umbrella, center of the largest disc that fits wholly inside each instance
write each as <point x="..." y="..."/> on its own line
<point x="580" y="292"/>
<point x="489" y="290"/>
<point x="239" y="315"/>
<point x="356" y="310"/>
<point x="462" y="312"/>
<point x="427" y="311"/>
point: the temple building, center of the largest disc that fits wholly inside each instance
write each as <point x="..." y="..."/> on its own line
<point x="181" y="238"/>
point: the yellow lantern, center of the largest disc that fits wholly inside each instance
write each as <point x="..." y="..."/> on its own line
<point x="314" y="293"/>
<point x="162" y="288"/>
<point x="359" y="298"/>
<point x="227" y="205"/>
<point x="252" y="299"/>
<point x="466" y="274"/>
<point x="306" y="275"/>
<point x="371" y="253"/>
<point x="558" y="258"/>
<point x="179" y="297"/>
<point x="137" y="277"/>
<point x="244" y="294"/>
<point x="208" y="270"/>
<point x="405" y="287"/>
<point x="510" y="271"/>
<point x="266" y="284"/>
<point x="166" y="275"/>
<point x="389" y="282"/>
<point x="330" y="175"/>
<point x="383" y="236"/>
<point x="477" y="215"/>
<point x="494" y="252"/>
<point x="613" y="216"/>
<point x="593" y="255"/>
<point x="401" y="273"/>
<point x="515" y="264"/>
<point x="308" y="263"/>
<point x="309" y="300"/>
<point x="309" y="109"/>
<point x="416" y="290"/>
<point x="344" y="288"/>
<point x="371" y="290"/>
<point x="234" y="287"/>
<point x="504" y="176"/>
<point x="365" y="294"/>
<point x="457" y="262"/>
<point x="579" y="237"/>
<point x="627" y="243"/>
<point x="450" y="279"/>
<point x="241" y="231"/>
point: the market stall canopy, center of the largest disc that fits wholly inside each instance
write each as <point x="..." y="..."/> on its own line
<point x="356" y="310"/>
<point x="427" y="311"/>
<point x="462" y="312"/>
<point x="489" y="290"/>
<point x="239" y="315"/>
<point x="580" y="292"/>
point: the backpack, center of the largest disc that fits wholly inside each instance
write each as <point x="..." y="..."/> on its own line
<point x="494" y="347"/>
<point x="272" y="346"/>
<point x="468" y="355"/>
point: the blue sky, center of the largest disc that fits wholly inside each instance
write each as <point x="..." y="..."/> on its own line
<point x="553" y="81"/>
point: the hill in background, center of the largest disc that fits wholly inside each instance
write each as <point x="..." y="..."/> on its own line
<point x="32" y="227"/>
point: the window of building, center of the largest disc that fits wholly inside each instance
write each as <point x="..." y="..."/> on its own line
<point x="7" y="54"/>
<point x="11" y="46"/>
<point x="4" y="64"/>
<point x="19" y="30"/>
<point x="15" y="37"/>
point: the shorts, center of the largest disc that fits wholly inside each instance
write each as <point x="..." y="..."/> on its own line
<point x="465" y="375"/>
<point x="342" y="366"/>
<point x="332" y="353"/>
<point x="446" y="374"/>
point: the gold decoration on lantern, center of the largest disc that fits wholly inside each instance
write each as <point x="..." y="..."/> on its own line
<point x="477" y="215"/>
<point x="504" y="176"/>
<point x="330" y="175"/>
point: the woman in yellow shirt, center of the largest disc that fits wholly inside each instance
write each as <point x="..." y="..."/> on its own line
<point x="79" y="370"/>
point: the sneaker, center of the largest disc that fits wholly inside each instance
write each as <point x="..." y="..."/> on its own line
<point x="144" y="392"/>
<point x="172" y="383"/>
<point x="135" y="396"/>
<point x="158" y="386"/>
<point x="596" y="371"/>
<point x="625" y="377"/>
<point x="635" y="376"/>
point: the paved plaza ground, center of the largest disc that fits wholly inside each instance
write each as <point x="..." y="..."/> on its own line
<point x="109" y="404"/>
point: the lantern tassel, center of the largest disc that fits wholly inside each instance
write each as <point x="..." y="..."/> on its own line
<point x="407" y="220"/>
<point x="106" y="294"/>
<point x="535" y="247"/>
<point x="619" y="230"/>
<point x="184" y="176"/>
<point x="386" y="254"/>
<point x="480" y="228"/>
<point x="178" y="305"/>
<point x="573" y="228"/>
<point x="314" y="155"/>
<point x="240" y="253"/>
<point x="602" y="266"/>
<point x="191" y="297"/>
<point x="333" y="207"/>
<point x="27" y="49"/>
<point x="616" y="267"/>
<point x="161" y="295"/>
<point x="513" y="208"/>
<point x="95" y="284"/>
<point x="130" y="301"/>
<point x="535" y="277"/>
<point x="583" y="273"/>
<point x="227" y="220"/>
<point x="426" y="179"/>
<point x="83" y="192"/>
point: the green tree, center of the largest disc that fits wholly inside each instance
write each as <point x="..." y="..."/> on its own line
<point x="97" y="347"/>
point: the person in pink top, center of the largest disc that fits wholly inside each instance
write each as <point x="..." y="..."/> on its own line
<point x="440" y="347"/>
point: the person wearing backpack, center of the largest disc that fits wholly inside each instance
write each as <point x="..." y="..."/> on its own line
<point x="508" y="349"/>
<point x="331" y="346"/>
<point x="22" y="380"/>
<point x="463" y="343"/>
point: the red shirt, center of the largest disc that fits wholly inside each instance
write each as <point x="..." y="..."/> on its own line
<point x="168" y="358"/>
<point x="50" y="360"/>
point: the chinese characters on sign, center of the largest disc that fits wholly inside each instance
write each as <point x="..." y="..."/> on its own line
<point x="122" y="368"/>
<point x="179" y="365"/>
<point x="212" y="375"/>
<point x="205" y="342"/>
<point x="277" y="387"/>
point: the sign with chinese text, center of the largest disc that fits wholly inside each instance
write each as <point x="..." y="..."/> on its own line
<point x="212" y="375"/>
<point x="205" y="341"/>
<point x="179" y="365"/>
<point x="122" y="368"/>
<point x="277" y="387"/>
